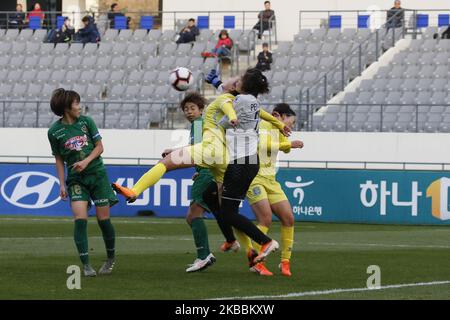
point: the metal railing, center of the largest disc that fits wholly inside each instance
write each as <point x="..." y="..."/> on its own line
<point x="324" y="164"/>
<point x="338" y="76"/>
<point x="139" y="114"/>
<point x="417" y="123"/>
<point x="166" y="20"/>
<point x="377" y="17"/>
<point x="143" y="112"/>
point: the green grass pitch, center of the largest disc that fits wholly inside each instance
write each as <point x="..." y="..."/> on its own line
<point x="152" y="255"/>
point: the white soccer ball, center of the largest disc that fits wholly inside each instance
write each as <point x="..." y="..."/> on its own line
<point x="181" y="78"/>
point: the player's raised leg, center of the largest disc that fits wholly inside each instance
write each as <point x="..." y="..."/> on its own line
<point x="175" y="160"/>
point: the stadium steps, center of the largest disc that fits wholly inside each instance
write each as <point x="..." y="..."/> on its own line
<point x="371" y="71"/>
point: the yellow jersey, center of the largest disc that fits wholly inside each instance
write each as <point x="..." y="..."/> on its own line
<point x="216" y="110"/>
<point x="271" y="140"/>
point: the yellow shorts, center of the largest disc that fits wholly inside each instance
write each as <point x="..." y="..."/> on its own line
<point x="265" y="188"/>
<point x="211" y="153"/>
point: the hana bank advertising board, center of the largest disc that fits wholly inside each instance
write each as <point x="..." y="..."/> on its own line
<point x="324" y="195"/>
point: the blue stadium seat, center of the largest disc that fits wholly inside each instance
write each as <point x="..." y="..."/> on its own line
<point x="59" y="21"/>
<point x="120" y="22"/>
<point x="363" y="21"/>
<point x="335" y="22"/>
<point x="147" y="22"/>
<point x="228" y="22"/>
<point x="443" y="20"/>
<point x="422" y="20"/>
<point x="203" y="22"/>
<point x="35" y="23"/>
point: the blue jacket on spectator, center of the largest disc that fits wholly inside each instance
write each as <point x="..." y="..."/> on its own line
<point x="89" y="33"/>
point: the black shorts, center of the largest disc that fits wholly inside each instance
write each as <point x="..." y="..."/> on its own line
<point x="239" y="176"/>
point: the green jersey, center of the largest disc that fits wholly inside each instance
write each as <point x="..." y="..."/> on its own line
<point x="75" y="142"/>
<point x="196" y="133"/>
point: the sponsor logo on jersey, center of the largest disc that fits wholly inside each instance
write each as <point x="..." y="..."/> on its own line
<point x="76" y="143"/>
<point x="21" y="190"/>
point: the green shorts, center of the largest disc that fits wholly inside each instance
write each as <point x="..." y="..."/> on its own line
<point x="202" y="182"/>
<point x="94" y="186"/>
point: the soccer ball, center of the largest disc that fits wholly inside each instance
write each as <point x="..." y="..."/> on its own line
<point x="181" y="78"/>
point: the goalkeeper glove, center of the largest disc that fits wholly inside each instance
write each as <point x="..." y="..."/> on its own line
<point x="213" y="78"/>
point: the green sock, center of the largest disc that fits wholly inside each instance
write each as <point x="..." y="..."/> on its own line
<point x="200" y="237"/>
<point x="81" y="240"/>
<point x="109" y="237"/>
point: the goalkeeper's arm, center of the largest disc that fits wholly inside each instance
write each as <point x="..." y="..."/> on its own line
<point x="214" y="79"/>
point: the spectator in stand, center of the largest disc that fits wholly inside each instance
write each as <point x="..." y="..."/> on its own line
<point x="395" y="16"/>
<point x="188" y="33"/>
<point x="445" y="34"/>
<point x="115" y="12"/>
<point x="265" y="18"/>
<point x="65" y="33"/>
<point x="17" y="20"/>
<point x="89" y="33"/>
<point x="264" y="58"/>
<point x="36" y="12"/>
<point x="222" y="48"/>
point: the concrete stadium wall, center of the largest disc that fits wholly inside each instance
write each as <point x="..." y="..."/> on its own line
<point x="319" y="146"/>
<point x="287" y="10"/>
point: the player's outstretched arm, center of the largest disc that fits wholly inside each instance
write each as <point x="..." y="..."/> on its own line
<point x="283" y="144"/>
<point x="213" y="78"/>
<point x="275" y="122"/>
<point x="228" y="110"/>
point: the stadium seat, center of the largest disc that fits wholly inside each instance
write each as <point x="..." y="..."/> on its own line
<point x="183" y="49"/>
<point x="146" y="92"/>
<point x="203" y="22"/>
<point x="150" y="77"/>
<point x="61" y="48"/>
<point x="146" y="22"/>
<point x="103" y="62"/>
<point x="124" y="35"/>
<point x="168" y="49"/>
<point x="153" y="35"/>
<point x="168" y="36"/>
<point x="88" y="76"/>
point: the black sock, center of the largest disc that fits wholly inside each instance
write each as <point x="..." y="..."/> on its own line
<point x="230" y="213"/>
<point x="210" y="196"/>
<point x="225" y="227"/>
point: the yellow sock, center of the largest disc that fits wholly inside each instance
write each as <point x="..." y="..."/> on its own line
<point x="151" y="177"/>
<point x="264" y="230"/>
<point x="287" y="241"/>
<point x="243" y="239"/>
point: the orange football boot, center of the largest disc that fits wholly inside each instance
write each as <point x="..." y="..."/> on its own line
<point x="266" y="249"/>
<point x="230" y="246"/>
<point x="285" y="267"/>
<point x="251" y="255"/>
<point x="127" y="193"/>
<point x="261" y="269"/>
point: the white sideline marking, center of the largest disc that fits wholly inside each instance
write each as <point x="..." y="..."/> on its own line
<point x="334" y="291"/>
<point x="378" y="245"/>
